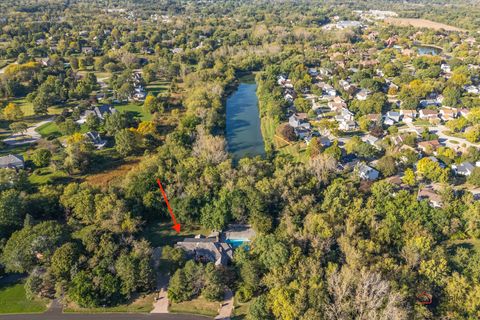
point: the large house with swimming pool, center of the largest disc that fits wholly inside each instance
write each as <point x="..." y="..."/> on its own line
<point x="218" y="247"/>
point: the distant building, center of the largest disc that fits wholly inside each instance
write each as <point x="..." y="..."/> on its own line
<point x="100" y="112"/>
<point x="96" y="139"/>
<point x="12" y="162"/>
<point x="463" y="169"/>
<point x="367" y="173"/>
<point x="427" y="193"/>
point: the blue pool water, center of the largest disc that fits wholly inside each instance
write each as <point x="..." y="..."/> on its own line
<point x="235" y="243"/>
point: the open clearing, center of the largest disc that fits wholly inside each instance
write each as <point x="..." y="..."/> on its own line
<point x="421" y="23"/>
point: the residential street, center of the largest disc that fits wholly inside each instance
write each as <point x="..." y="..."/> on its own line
<point x="102" y="316"/>
<point x="29" y="136"/>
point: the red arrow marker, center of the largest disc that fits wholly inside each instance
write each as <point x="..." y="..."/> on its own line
<point x="176" y="225"/>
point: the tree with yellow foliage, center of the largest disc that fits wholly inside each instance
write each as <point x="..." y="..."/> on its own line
<point x="12" y="112"/>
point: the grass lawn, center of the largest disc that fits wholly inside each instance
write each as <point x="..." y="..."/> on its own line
<point x="268" y="126"/>
<point x="134" y="109"/>
<point x="157" y="87"/>
<point x="424" y="123"/>
<point x="47" y="176"/>
<point x="13" y="299"/>
<point x="142" y="304"/>
<point x="240" y="311"/>
<point x="196" y="306"/>
<point x="160" y="233"/>
<point x="49" y="129"/>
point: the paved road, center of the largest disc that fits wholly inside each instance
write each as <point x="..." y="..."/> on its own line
<point x="447" y="140"/>
<point x="30" y="135"/>
<point x="102" y="316"/>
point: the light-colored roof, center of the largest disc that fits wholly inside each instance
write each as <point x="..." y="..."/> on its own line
<point x="11" y="161"/>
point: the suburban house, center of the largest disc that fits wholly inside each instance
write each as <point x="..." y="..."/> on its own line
<point x="218" y="247"/>
<point x="394" y="115"/>
<point x="371" y="140"/>
<point x="429" y="146"/>
<point x="429" y="194"/>
<point x="445" y="68"/>
<point x="463" y="169"/>
<point x="299" y="120"/>
<point x="87" y="50"/>
<point x="448" y="113"/>
<point x="428" y="102"/>
<point x="362" y="95"/>
<point x="95" y="138"/>
<point x="100" y="112"/>
<point x="472" y="89"/>
<point x="427" y="114"/>
<point x="207" y="249"/>
<point x="12" y="162"/>
<point x="367" y="173"/>
<point x="408" y="115"/>
<point x="337" y="104"/>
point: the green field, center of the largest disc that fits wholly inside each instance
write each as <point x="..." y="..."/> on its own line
<point x="135" y="110"/>
<point x="157" y="87"/>
<point x="13" y="299"/>
<point x="49" y="129"/>
<point x="196" y="306"/>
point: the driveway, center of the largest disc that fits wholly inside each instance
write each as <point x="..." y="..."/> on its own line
<point x="161" y="303"/>
<point x="30" y="135"/>
<point x="226" y="308"/>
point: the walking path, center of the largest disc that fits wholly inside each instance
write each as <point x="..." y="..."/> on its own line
<point x="30" y="135"/>
<point x="226" y="308"/>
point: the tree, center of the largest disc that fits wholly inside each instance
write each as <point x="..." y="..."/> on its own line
<point x="430" y="169"/>
<point x="472" y="134"/>
<point x="92" y="122"/>
<point x="63" y="260"/>
<point x="302" y="104"/>
<point x="474" y="178"/>
<point x="115" y="122"/>
<point x="457" y="125"/>
<point x="210" y="148"/>
<point x="387" y="166"/>
<point x="18" y="127"/>
<point x="323" y="166"/>
<point x="452" y="96"/>
<point x="41" y="157"/>
<point x="79" y="152"/>
<point x="150" y="104"/>
<point x="69" y="127"/>
<point x="314" y="148"/>
<point x="178" y="288"/>
<point x="287" y="132"/>
<point x="213" y="289"/>
<point x="11" y="212"/>
<point x="409" y="177"/>
<point x="32" y="245"/>
<point x="12" y="112"/>
<point x="126" y="142"/>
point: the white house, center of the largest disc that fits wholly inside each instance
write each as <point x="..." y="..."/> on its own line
<point x="362" y="95"/>
<point x="463" y="169"/>
<point x="367" y="173"/>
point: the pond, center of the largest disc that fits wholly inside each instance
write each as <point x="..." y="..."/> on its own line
<point x="244" y="137"/>
<point x="428" y="50"/>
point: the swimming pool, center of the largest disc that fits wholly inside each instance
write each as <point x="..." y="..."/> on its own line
<point x="235" y="243"/>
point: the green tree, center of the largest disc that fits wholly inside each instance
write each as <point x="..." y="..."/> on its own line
<point x="41" y="157"/>
<point x="11" y="212"/>
<point x="12" y="112"/>
<point x="126" y="142"/>
<point x="63" y="260"/>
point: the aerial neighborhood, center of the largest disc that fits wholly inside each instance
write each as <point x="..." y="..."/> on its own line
<point x="255" y="160"/>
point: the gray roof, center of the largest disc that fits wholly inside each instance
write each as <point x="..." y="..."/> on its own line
<point x="207" y="248"/>
<point x="11" y="161"/>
